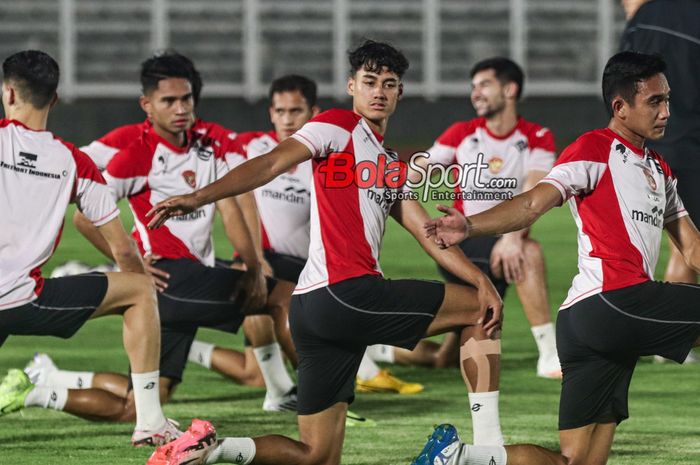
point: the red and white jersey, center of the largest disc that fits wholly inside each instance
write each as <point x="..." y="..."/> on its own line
<point x="528" y="147"/>
<point x="151" y="169"/>
<point x="39" y="176"/>
<point x="621" y="197"/>
<point x="347" y="223"/>
<point x="103" y="149"/>
<point x="284" y="202"/>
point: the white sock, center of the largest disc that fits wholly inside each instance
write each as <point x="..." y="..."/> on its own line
<point x="486" y="422"/>
<point x="70" y="379"/>
<point x="482" y="455"/>
<point x="47" y="397"/>
<point x="233" y="450"/>
<point x="546" y="339"/>
<point x="149" y="415"/>
<point x="277" y="379"/>
<point x="200" y="353"/>
<point x="368" y="369"/>
<point x="381" y="353"/>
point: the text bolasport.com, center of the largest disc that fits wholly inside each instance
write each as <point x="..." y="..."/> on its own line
<point x="389" y="172"/>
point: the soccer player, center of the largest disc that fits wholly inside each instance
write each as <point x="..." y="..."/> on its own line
<point x="671" y="28"/>
<point x="57" y="173"/>
<point x="284" y="208"/>
<point x="621" y="194"/>
<point x="342" y="303"/>
<point x="171" y="157"/>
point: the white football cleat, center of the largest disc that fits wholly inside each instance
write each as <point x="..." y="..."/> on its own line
<point x="39" y="368"/>
<point x="286" y="403"/>
<point x="158" y="437"/>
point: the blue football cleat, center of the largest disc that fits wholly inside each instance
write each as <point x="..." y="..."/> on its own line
<point x="442" y="448"/>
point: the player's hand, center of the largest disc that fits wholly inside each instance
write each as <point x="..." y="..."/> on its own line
<point x="508" y="258"/>
<point x="447" y="230"/>
<point x="253" y="285"/>
<point x="160" y="277"/>
<point x="491" y="306"/>
<point x="173" y="206"/>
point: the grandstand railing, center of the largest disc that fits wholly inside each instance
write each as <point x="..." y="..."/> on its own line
<point x="240" y="45"/>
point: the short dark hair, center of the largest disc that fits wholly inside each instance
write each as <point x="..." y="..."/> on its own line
<point x="35" y="75"/>
<point x="294" y="82"/>
<point x="170" y="64"/>
<point x="506" y="70"/>
<point x="624" y="71"/>
<point x="373" y="56"/>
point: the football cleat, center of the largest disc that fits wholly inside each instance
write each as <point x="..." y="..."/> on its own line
<point x="549" y="367"/>
<point x="386" y="382"/>
<point x="158" y="437"/>
<point x="355" y="420"/>
<point x="192" y="448"/>
<point x="443" y="447"/>
<point x="286" y="403"/>
<point x="39" y="368"/>
<point x="13" y="391"/>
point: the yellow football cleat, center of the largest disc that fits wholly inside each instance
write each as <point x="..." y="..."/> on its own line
<point x="386" y="382"/>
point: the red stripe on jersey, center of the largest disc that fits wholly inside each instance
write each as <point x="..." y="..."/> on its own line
<point x="348" y="254"/>
<point x="455" y="134"/>
<point x="601" y="217"/>
<point x="163" y="242"/>
<point x="35" y="274"/>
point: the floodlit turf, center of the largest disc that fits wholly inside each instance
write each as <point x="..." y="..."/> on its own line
<point x="663" y="428"/>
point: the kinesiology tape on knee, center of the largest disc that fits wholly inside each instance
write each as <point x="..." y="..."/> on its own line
<point x="478" y="351"/>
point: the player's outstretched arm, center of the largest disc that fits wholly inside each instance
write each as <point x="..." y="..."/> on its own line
<point x="122" y="247"/>
<point x="686" y="238"/>
<point x="412" y="216"/>
<point x="254" y="284"/>
<point x="512" y="215"/>
<point x="244" y="178"/>
<point x="92" y="234"/>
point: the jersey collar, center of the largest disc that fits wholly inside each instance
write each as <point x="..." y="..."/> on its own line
<point x="626" y="143"/>
<point x="482" y="123"/>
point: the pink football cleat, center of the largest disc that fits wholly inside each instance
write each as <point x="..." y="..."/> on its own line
<point x="192" y="448"/>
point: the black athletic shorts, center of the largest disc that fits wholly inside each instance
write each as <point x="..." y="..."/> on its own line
<point x="600" y="338"/>
<point x="286" y="267"/>
<point x="63" y="306"/>
<point x="196" y="296"/>
<point x="478" y="250"/>
<point x="332" y="326"/>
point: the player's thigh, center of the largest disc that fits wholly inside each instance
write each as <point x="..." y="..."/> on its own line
<point x="125" y="289"/>
<point x="324" y="433"/>
<point x="459" y="308"/>
<point x="587" y="445"/>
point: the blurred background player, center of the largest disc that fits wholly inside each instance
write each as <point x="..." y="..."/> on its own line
<point x="671" y="28"/>
<point x="172" y="157"/>
<point x="284" y="208"/>
<point x="56" y="173"/>
<point x="622" y="195"/>
<point x="342" y="303"/>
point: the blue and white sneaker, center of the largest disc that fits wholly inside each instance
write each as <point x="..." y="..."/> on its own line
<point x="442" y="448"/>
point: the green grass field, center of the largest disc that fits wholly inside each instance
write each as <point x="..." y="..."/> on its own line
<point x="663" y="428"/>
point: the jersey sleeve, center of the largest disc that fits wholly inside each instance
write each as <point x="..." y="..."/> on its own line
<point x="235" y="150"/>
<point x="92" y="195"/>
<point x="674" y="205"/>
<point x="542" y="150"/>
<point x="444" y="150"/>
<point x="103" y="149"/>
<point x="127" y="173"/>
<point x="100" y="153"/>
<point x="328" y="132"/>
<point x="580" y="167"/>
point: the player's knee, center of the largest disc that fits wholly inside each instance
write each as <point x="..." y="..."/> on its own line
<point x="532" y="249"/>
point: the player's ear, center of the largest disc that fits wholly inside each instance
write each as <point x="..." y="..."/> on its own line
<point x="400" y="90"/>
<point x="54" y="100"/>
<point x="619" y="107"/>
<point x="510" y="90"/>
<point x="145" y="103"/>
<point x="8" y="93"/>
<point x="351" y="86"/>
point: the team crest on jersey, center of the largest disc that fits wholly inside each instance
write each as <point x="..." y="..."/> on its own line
<point x="495" y="165"/>
<point x="650" y="177"/>
<point x="190" y="178"/>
